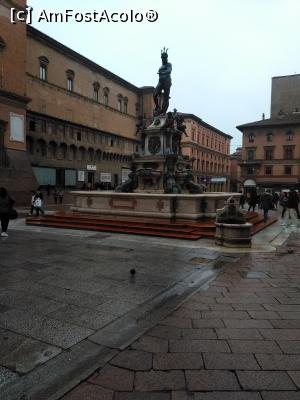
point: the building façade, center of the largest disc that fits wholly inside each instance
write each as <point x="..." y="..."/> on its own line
<point x="209" y="148"/>
<point x="81" y="120"/>
<point x="271" y="147"/>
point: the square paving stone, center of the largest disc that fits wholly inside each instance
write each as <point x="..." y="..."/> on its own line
<point x="151" y="344"/>
<point x="265" y="380"/>
<point x="289" y="346"/>
<point x="159" y="381"/>
<point x="227" y="333"/>
<point x="199" y="346"/>
<point x="134" y="360"/>
<point x="226" y="314"/>
<point x="173" y="361"/>
<point x="82" y="316"/>
<point x="227" y="396"/>
<point x="142" y="396"/>
<point x="199" y="334"/>
<point x="114" y="378"/>
<point x="254" y="346"/>
<point x="22" y="354"/>
<point x="278" y="362"/>
<point x="165" y="332"/>
<point x="86" y="391"/>
<point x="58" y="333"/>
<point x="280" y="395"/>
<point x="246" y="324"/>
<point x="208" y="323"/>
<point x="211" y="380"/>
<point x="230" y="361"/>
<point x="281" y="334"/>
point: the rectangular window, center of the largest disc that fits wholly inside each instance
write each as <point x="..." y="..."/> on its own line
<point x="119" y="105"/>
<point x="251" y="137"/>
<point x="70" y="85"/>
<point x="250" y="154"/>
<point x="32" y="126"/>
<point x="105" y="100"/>
<point x="44" y="126"/>
<point x="269" y="154"/>
<point x="96" y="95"/>
<point x="269" y="137"/>
<point x="288" y="170"/>
<point x="78" y="135"/>
<point x="289" y="136"/>
<point x="268" y="170"/>
<point x="288" y="153"/>
<point x="250" y="171"/>
<point x="43" y="72"/>
<point x="125" y="108"/>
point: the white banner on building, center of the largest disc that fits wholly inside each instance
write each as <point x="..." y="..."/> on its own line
<point x="125" y="173"/>
<point x="81" y="176"/>
<point x="91" y="167"/>
<point x="105" y="177"/>
<point x="17" y="127"/>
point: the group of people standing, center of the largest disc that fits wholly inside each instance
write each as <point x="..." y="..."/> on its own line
<point x="36" y="203"/>
<point x="288" y="200"/>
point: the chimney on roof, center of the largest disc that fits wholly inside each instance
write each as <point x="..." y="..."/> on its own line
<point x="263" y="116"/>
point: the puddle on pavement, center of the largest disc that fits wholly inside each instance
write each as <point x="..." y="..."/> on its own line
<point x="253" y="274"/>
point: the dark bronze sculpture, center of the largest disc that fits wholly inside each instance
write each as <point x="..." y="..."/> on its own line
<point x="164" y="85"/>
<point x="230" y="214"/>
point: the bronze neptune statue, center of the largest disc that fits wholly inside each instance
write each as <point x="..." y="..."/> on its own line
<point x="164" y="85"/>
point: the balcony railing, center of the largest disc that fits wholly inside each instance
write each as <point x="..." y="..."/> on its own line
<point x="249" y="162"/>
<point x="4" y="160"/>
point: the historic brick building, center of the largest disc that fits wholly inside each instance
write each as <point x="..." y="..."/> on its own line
<point x="271" y="147"/>
<point x="15" y="171"/>
<point x="209" y="147"/>
<point x="235" y="170"/>
<point x="81" y="121"/>
<point x="68" y="122"/>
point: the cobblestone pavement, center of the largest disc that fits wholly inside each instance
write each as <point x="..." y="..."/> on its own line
<point x="238" y="338"/>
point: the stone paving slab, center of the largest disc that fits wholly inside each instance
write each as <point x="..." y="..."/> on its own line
<point x="237" y="338"/>
<point x="22" y="354"/>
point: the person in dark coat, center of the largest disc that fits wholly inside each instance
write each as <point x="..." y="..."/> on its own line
<point x="252" y="201"/>
<point x="283" y="201"/>
<point x="242" y="199"/>
<point x="266" y="203"/>
<point x="293" y="202"/>
<point x="6" y="204"/>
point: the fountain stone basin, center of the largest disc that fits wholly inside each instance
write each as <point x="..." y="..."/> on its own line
<point x="152" y="205"/>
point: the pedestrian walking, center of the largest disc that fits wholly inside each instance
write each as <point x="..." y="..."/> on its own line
<point x="252" y="200"/>
<point x="48" y="189"/>
<point x="6" y="206"/>
<point x="293" y="202"/>
<point x="266" y="203"/>
<point x="61" y="196"/>
<point x="55" y="195"/>
<point x="242" y="199"/>
<point x="275" y="200"/>
<point x="283" y="201"/>
<point x="33" y="194"/>
<point x="38" y="205"/>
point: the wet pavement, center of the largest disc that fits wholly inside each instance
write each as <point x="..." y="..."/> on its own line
<point x="193" y="322"/>
<point x="237" y="338"/>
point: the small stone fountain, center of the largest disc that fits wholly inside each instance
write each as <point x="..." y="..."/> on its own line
<point x="232" y="230"/>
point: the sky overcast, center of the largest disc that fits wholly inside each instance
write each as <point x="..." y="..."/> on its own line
<point x="223" y="52"/>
